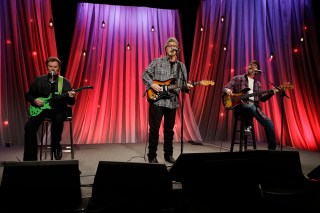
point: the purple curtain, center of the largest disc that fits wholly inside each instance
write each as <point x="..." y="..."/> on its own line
<point x="115" y="111"/>
<point x="257" y="30"/>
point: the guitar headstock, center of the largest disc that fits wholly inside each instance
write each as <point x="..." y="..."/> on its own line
<point x="287" y="85"/>
<point x="206" y="83"/>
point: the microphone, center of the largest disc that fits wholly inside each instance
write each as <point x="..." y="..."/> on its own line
<point x="258" y="71"/>
<point x="51" y="74"/>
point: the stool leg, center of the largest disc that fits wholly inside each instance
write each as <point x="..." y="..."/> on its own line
<point x="241" y="137"/>
<point x="41" y="140"/>
<point x="234" y="134"/>
<point x="46" y="143"/>
<point x="253" y="136"/>
<point x="245" y="142"/>
<point x="71" y="139"/>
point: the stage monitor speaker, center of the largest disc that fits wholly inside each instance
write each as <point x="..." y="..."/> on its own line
<point x="315" y="173"/>
<point x="227" y="179"/>
<point x="131" y="186"/>
<point x="40" y="186"/>
<point x="210" y="166"/>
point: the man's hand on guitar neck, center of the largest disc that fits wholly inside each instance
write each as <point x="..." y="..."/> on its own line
<point x="189" y="85"/>
<point x="275" y="90"/>
<point x="71" y="93"/>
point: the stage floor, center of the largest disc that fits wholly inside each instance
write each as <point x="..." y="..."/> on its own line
<point x="90" y="155"/>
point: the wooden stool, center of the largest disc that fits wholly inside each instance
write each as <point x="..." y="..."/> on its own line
<point x="243" y="141"/>
<point x="46" y="147"/>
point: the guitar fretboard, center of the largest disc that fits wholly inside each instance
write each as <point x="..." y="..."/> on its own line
<point x="246" y="96"/>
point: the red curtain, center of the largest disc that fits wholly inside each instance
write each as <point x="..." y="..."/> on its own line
<point x="257" y="31"/>
<point x="115" y="111"/>
<point x="26" y="42"/>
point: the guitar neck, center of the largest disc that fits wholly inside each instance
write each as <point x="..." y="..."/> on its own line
<point x="245" y="96"/>
<point x="58" y="97"/>
<point x="170" y="87"/>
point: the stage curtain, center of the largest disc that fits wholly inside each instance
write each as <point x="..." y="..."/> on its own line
<point x="116" y="110"/>
<point x="26" y="42"/>
<point x="256" y="30"/>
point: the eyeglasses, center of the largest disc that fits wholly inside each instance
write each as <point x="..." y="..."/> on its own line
<point x="170" y="45"/>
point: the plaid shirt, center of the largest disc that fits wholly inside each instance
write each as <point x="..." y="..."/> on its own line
<point x="240" y="82"/>
<point x="161" y="69"/>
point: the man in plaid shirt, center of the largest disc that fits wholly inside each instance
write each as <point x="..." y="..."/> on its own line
<point x="250" y="107"/>
<point x="160" y="70"/>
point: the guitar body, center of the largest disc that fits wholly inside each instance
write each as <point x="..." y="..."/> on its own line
<point x="36" y="110"/>
<point x="231" y="102"/>
<point x="155" y="96"/>
<point x="238" y="98"/>
<point x="169" y="85"/>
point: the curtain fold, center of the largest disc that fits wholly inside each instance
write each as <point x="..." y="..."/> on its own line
<point x="116" y="111"/>
<point x="256" y="30"/>
<point x="26" y="42"/>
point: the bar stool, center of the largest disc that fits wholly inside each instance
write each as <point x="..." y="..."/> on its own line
<point x="243" y="140"/>
<point x="46" y="147"/>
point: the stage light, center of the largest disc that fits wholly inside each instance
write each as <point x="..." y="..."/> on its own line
<point x="201" y="28"/>
<point x="222" y="18"/>
<point x="128" y="47"/>
<point x="296" y="50"/>
<point x="84" y="52"/>
<point x="51" y="23"/>
<point x="103" y="24"/>
<point x="152" y="29"/>
<point x="225" y="48"/>
<point x="271" y="57"/>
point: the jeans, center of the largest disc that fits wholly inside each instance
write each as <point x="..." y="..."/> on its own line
<point x="248" y="112"/>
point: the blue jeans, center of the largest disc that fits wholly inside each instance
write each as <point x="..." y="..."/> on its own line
<point x="248" y="112"/>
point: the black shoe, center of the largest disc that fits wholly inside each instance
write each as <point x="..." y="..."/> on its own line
<point x="57" y="153"/>
<point x="153" y="160"/>
<point x="247" y="131"/>
<point x="169" y="159"/>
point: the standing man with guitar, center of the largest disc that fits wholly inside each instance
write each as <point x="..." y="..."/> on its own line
<point x="161" y="70"/>
<point x="249" y="107"/>
<point x="47" y="87"/>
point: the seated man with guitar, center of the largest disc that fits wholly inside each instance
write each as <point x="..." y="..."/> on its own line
<point x="163" y="98"/>
<point x="243" y="93"/>
<point x="47" y="87"/>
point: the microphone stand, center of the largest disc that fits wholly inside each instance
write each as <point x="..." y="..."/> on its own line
<point x="282" y="95"/>
<point x="184" y="89"/>
<point x="52" y="88"/>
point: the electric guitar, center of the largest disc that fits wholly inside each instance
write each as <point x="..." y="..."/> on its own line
<point x="36" y="110"/>
<point x="230" y="102"/>
<point x="168" y="85"/>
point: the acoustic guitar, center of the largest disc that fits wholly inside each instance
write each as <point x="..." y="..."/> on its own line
<point x="230" y="102"/>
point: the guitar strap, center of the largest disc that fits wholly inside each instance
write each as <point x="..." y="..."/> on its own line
<point x="60" y="84"/>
